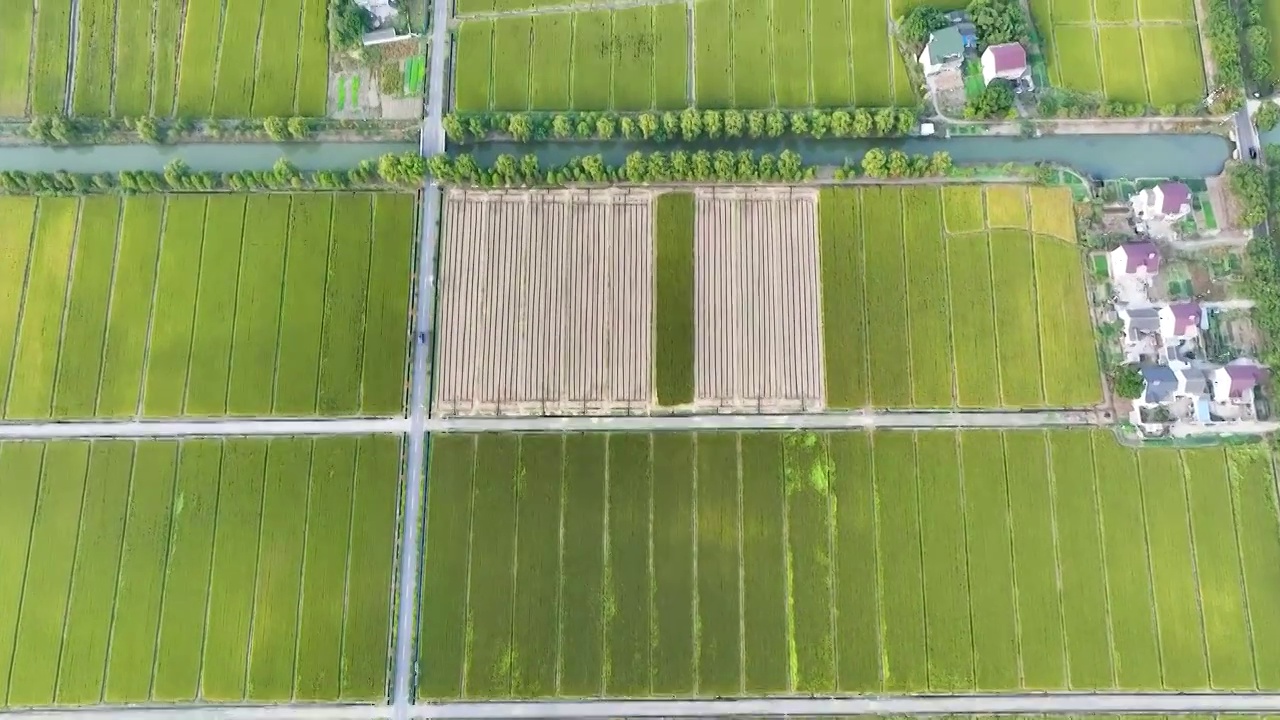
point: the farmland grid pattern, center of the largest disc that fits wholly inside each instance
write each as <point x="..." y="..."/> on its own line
<point x="1095" y="48"/>
<point x="204" y="306"/>
<point x="1050" y="560"/>
<point x="135" y="57"/>
<point x="134" y="591"/>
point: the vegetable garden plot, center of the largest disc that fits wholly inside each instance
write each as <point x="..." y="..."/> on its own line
<point x="163" y="315"/>
<point x="149" y="551"/>
<point x="853" y="513"/>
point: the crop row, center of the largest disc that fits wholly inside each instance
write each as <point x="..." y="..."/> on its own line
<point x="203" y="569"/>
<point x="976" y="319"/>
<point x="633" y="59"/>
<point x="137" y="57"/>
<point x="673" y="298"/>
<point x="204" y="306"/>
<point x="1146" y="52"/>
<point x="764" y="563"/>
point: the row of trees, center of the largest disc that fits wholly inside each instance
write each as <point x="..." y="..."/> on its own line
<point x="1257" y="43"/>
<point x="58" y="130"/>
<point x="1263" y="284"/>
<point x="687" y="125"/>
<point x="658" y="167"/>
<point x="1248" y="182"/>
<point x="1223" y="30"/>
<point x="1065" y="104"/>
<point x="390" y="170"/>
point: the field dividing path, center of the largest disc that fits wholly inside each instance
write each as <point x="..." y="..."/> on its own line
<point x="146" y="429"/>
<point x="826" y="421"/>
<point x="1022" y="703"/>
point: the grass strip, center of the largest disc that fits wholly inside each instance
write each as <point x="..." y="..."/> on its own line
<point x="52" y="42"/>
<point x="1035" y="563"/>
<point x="807" y="473"/>
<point x="19" y="494"/>
<point x="201" y="34"/>
<point x="257" y="325"/>
<point x="370" y="569"/>
<point x="186" y="586"/>
<point x="18" y="217"/>
<point x="89" y="610"/>
<point x="633" y="60"/>
<point x="670" y="57"/>
<point x="32" y="377"/>
<point x="1172" y="573"/>
<point x="887" y="301"/>
<point x="582" y="569"/>
<point x="492" y="559"/>
<point x="946" y="564"/>
<point x="84" y="327"/>
<point x="752" y="53"/>
<point x="386" y="335"/>
<point x="131" y="307"/>
<point x="844" y="329"/>
<point x="214" y="329"/>
<point x="1217" y="558"/>
<point x="1136" y="648"/>
<point x="324" y="568"/>
<point x="857" y="566"/>
<point x="764" y="564"/>
<point x="672" y="649"/>
<point x="719" y="592"/>
<point x="95" y="44"/>
<point x="674" y="310"/>
<point x="313" y="60"/>
<point x="537" y="610"/>
<point x="135" y="45"/>
<point x="442" y="622"/>
<point x="276" y="598"/>
<point x="237" y="54"/>
<point x="164" y="86"/>
<point x="34" y="675"/>
<point x="231" y="581"/>
<point x="15" y="58"/>
<point x="551" y="62"/>
<point x="627" y="619"/>
<point x="901" y="577"/>
<point x="276" y="76"/>
<point x="990" y="545"/>
<point x="973" y="322"/>
<point x="932" y="357"/>
<point x="512" y="41"/>
<point x="346" y="290"/>
<point x="173" y="323"/>
<point x="301" y="327"/>
<point x="474" y="65"/>
<point x="1084" y="591"/>
<point x="1254" y="493"/>
<point x="713" y="62"/>
<point x="592" y="60"/>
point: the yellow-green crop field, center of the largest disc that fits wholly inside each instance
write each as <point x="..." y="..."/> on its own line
<point x="967" y="296"/>
<point x="202" y="58"/>
<point x="154" y="307"/>
<point x="745" y="54"/>
<point x="728" y="564"/>
<point x="1131" y="51"/>
<point x="196" y="570"/>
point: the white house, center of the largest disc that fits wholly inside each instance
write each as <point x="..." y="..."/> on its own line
<point x="1236" y="382"/>
<point x="1167" y="202"/>
<point x="1006" y="61"/>
<point x="1140" y="260"/>
<point x="1179" y="321"/>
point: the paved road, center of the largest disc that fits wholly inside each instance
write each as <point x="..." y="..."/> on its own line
<point x="764" y="422"/>
<point x="200" y="428"/>
<point x="1038" y="704"/>
<point x="1241" y="304"/>
<point x="431" y="143"/>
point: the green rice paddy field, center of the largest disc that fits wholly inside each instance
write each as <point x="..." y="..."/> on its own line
<point x="970" y="296"/>
<point x="202" y="58"/>
<point x="759" y="563"/>
<point x="1131" y="51"/>
<point x="277" y="304"/>
<point x="744" y="53"/>
<point x="207" y="570"/>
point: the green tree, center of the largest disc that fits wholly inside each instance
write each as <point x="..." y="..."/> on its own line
<point x="998" y="21"/>
<point x="875" y="164"/>
<point x="276" y="128"/>
<point x="1127" y="381"/>
<point x="1268" y="116"/>
<point x="916" y="25"/>
<point x="995" y="101"/>
<point x="300" y="128"/>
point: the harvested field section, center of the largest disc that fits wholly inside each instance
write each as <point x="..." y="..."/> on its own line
<point x="545" y="303"/>
<point x="756" y="293"/>
<point x="164" y="306"/>
<point x="145" y="567"/>
<point x="922" y="561"/>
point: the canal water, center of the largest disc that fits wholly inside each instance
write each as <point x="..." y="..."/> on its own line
<point x="1101" y="156"/>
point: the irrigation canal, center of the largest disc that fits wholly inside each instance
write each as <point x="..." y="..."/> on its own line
<point x="1102" y="156"/>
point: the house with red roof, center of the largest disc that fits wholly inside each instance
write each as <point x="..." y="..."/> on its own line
<point x="1140" y="260"/>
<point x="1166" y="203"/>
<point x="1007" y="61"/>
<point x="1180" y="321"/>
<point x="1235" y="383"/>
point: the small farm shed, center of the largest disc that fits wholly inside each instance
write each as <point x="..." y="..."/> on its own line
<point x="1006" y="61"/>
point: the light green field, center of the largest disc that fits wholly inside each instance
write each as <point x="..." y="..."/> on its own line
<point x="200" y="570"/>
<point x="204" y="306"/>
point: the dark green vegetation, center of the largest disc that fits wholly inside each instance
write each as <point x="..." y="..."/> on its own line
<point x="674" y="311"/>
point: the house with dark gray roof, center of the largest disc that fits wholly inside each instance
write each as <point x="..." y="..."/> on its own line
<point x="1139" y="321"/>
<point x="1162" y="383"/>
